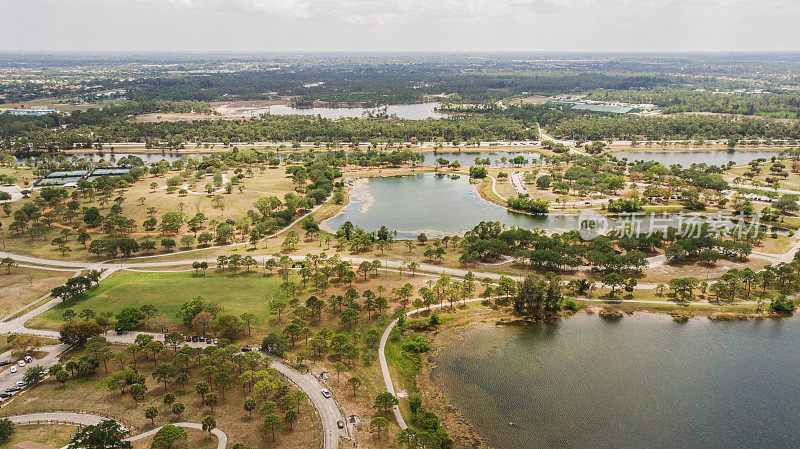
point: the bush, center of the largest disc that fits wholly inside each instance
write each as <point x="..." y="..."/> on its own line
<point x="478" y="172"/>
<point x="782" y="304"/>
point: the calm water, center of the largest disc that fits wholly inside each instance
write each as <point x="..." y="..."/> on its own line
<point x="641" y="382"/>
<point x="423" y="203"/>
<point x="687" y="158"/>
<point x="466" y="158"/>
<point x="416" y="111"/>
<point x="108" y="156"/>
<point x="443" y="206"/>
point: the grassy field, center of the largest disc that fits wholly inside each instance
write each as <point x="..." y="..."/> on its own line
<point x="167" y="291"/>
<point x="25" y="285"/>
<point x="56" y="435"/>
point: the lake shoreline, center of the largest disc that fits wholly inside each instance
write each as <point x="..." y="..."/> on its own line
<point x="458" y="427"/>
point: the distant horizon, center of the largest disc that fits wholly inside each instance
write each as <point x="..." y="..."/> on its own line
<point x="425" y="52"/>
<point x="401" y="25"/>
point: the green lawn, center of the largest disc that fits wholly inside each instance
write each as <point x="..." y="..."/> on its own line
<point x="167" y="291"/>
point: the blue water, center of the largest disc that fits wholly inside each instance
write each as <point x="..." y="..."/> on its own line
<point x="641" y="382"/>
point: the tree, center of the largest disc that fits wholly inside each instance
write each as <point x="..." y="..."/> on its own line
<point x="384" y="402"/>
<point x="209" y="423"/>
<point x="163" y="373"/>
<point x="377" y="425"/>
<point x="290" y="418"/>
<point x="128" y="318"/>
<point x="613" y="280"/>
<point x="6" y="429"/>
<point x="68" y="315"/>
<point x="169" y="398"/>
<point x="151" y="413"/>
<point x="201" y="322"/>
<point x="787" y="203"/>
<point x="78" y="332"/>
<point x="108" y="434"/>
<point x="353" y="382"/>
<point x="33" y="375"/>
<point x="229" y="326"/>
<point x="248" y="319"/>
<point x="168" y="436"/>
<point x="249" y="405"/>
<point x="211" y="400"/>
<point x="178" y="408"/>
<point x="202" y="388"/>
<point x="272" y="422"/>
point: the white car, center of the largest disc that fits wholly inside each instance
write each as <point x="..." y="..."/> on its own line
<point x="21" y="363"/>
<point x="13" y="369"/>
<point x="28" y="359"/>
<point x="326" y="392"/>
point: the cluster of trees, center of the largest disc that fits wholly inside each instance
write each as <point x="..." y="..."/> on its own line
<point x="706" y="248"/>
<point x="676" y="100"/>
<point x="624" y="205"/>
<point x="113" y="128"/>
<point x="528" y="204"/>
<point x="489" y="240"/>
<point x="568" y="123"/>
<point x="742" y="284"/>
<point x="76" y="286"/>
<point x="538" y="296"/>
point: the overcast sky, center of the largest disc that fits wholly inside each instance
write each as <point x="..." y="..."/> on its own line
<point x="421" y="25"/>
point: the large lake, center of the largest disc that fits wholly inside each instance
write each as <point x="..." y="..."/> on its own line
<point x="415" y="111"/>
<point x="467" y="158"/>
<point x="440" y="205"/>
<point x="148" y="158"/>
<point x="687" y="158"/>
<point x="641" y="382"/>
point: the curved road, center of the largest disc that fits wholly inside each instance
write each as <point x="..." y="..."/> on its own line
<point x="87" y="419"/>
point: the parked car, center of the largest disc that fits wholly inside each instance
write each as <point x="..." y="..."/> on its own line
<point x="208" y="341"/>
<point x="21" y="383"/>
<point x="202" y="338"/>
<point x="216" y="341"/>
<point x="326" y="392"/>
<point x="28" y="359"/>
<point x="13" y="369"/>
<point x="5" y="363"/>
<point x="340" y="424"/>
<point x="188" y="338"/>
<point x="194" y="338"/>
<point x="21" y="363"/>
<point x="12" y="389"/>
<point x="247" y="349"/>
<point x="5" y="395"/>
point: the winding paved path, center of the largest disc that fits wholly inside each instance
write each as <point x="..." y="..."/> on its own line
<point x="88" y="419"/>
<point x="222" y="438"/>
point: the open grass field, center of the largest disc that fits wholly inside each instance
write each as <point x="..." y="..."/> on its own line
<point x="167" y="291"/>
<point x="55" y="435"/>
<point x="25" y="285"/>
<point x="140" y="197"/>
<point x="792" y="182"/>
